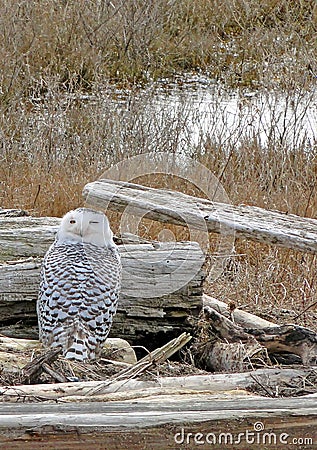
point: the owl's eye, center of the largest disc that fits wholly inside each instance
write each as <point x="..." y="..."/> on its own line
<point x="93" y="221"/>
<point x="72" y="221"/>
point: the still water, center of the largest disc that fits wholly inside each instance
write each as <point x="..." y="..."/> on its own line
<point x="200" y="110"/>
<point x="267" y="117"/>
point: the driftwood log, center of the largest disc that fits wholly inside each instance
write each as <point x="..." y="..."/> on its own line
<point x="250" y="222"/>
<point x="236" y="315"/>
<point x="162" y="286"/>
<point x="269" y="379"/>
<point x="168" y="421"/>
<point x="173" y="407"/>
<point x="238" y="336"/>
<point x="22" y="237"/>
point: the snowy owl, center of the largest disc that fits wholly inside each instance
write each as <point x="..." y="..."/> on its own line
<point x="80" y="283"/>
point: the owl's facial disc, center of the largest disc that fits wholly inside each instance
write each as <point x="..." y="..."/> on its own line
<point x="87" y="226"/>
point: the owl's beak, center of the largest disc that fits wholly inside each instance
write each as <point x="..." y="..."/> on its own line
<point x="80" y="229"/>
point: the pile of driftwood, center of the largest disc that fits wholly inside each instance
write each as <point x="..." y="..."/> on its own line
<point x="225" y="339"/>
<point x="236" y="340"/>
<point x="229" y="342"/>
<point x="197" y="349"/>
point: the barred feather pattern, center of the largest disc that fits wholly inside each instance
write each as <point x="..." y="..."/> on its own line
<point x="78" y="297"/>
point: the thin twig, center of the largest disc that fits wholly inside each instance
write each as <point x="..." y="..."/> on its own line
<point x="306" y="309"/>
<point x="262" y="386"/>
<point x="55" y="375"/>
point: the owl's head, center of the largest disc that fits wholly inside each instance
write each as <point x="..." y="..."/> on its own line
<point x="87" y="226"/>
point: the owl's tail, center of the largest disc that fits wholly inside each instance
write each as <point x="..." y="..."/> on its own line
<point x="81" y="346"/>
<point x="78" y="344"/>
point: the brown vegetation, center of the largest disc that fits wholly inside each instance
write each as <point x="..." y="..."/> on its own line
<point x="78" y="44"/>
<point x="63" y="121"/>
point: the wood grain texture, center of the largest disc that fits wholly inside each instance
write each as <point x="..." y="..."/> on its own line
<point x="139" y="425"/>
<point x="26" y="236"/>
<point x="250" y="222"/>
<point x="162" y="285"/>
<point x="155" y="412"/>
<point x="191" y="384"/>
<point x="238" y="316"/>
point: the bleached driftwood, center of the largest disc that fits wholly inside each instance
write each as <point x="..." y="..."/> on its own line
<point x="212" y="401"/>
<point x="18" y="345"/>
<point x="229" y="348"/>
<point x="269" y="227"/>
<point x="169" y="422"/>
<point x="161" y="286"/>
<point x="26" y="236"/>
<point x="85" y="391"/>
<point x="240" y="317"/>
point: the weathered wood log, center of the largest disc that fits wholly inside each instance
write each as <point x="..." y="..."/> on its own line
<point x="269" y="227"/>
<point x="287" y="338"/>
<point x="269" y="378"/>
<point x="229" y="348"/>
<point x="161" y="287"/>
<point x="169" y="422"/>
<point x="18" y="345"/>
<point x="236" y="315"/>
<point x="26" y="236"/>
<point x="248" y="321"/>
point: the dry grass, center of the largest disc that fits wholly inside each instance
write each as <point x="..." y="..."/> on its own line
<point x="276" y="284"/>
<point x="60" y="126"/>
<point x="78" y="44"/>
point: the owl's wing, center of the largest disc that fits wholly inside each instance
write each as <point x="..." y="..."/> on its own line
<point x="78" y="297"/>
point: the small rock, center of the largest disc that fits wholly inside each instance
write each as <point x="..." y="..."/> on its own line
<point x="120" y="350"/>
